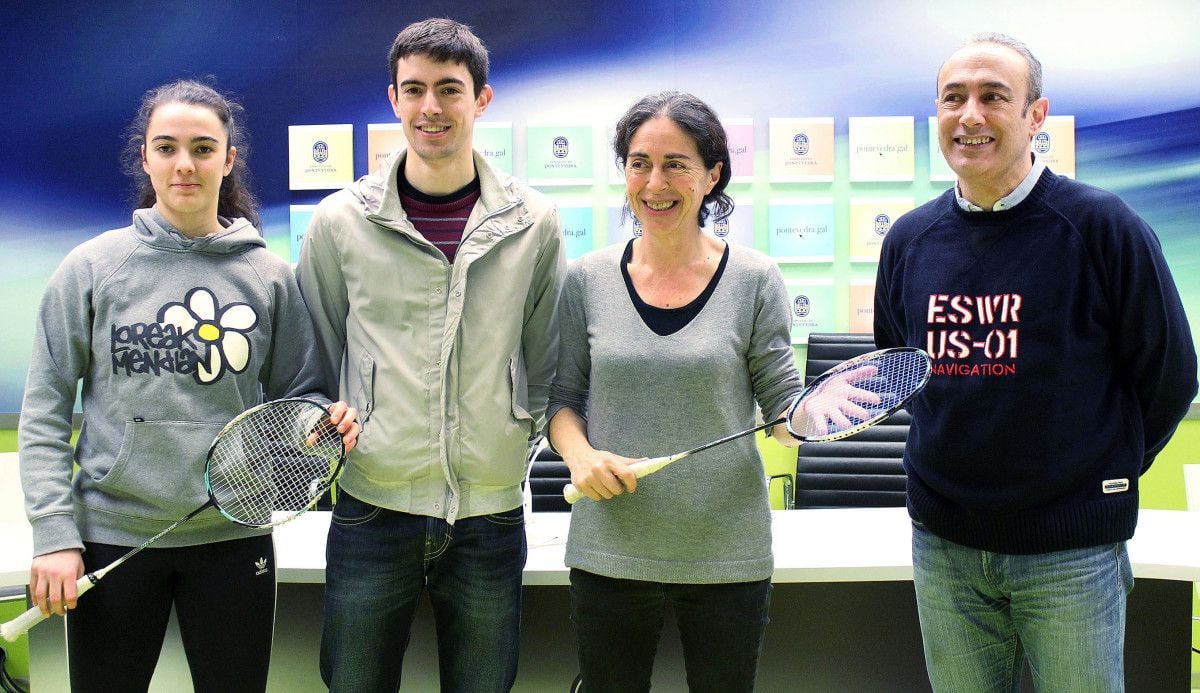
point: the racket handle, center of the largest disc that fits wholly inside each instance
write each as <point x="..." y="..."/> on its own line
<point x="20" y="625"/>
<point x="571" y="494"/>
<point x="645" y="467"/>
<point x="17" y="627"/>
<point x="640" y="469"/>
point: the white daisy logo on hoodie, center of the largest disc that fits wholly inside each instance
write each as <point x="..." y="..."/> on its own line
<point x="220" y="333"/>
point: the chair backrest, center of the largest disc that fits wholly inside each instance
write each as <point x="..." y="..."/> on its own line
<point x="864" y="470"/>
<point x="548" y="474"/>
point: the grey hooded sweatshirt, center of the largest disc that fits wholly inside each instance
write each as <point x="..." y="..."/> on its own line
<point x="172" y="337"/>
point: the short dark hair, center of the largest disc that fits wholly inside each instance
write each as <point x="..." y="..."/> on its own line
<point x="1033" y="65"/>
<point x="235" y="198"/>
<point x="700" y="122"/>
<point x="444" y="41"/>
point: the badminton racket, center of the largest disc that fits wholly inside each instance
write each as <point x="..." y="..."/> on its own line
<point x="266" y="467"/>
<point x="846" y="399"/>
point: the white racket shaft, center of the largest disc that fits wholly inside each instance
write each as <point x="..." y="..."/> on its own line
<point x="18" y="626"/>
<point x="640" y="469"/>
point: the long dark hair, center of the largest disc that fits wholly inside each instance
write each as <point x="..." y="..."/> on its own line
<point x="701" y="123"/>
<point x="236" y="199"/>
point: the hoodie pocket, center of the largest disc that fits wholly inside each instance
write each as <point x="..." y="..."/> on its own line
<point x="159" y="470"/>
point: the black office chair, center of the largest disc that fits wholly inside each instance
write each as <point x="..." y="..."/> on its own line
<point x="548" y="474"/>
<point x="864" y="470"/>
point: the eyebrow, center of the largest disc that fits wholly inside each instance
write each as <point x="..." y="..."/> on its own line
<point x="197" y="138"/>
<point x="950" y="86"/>
<point x="440" y="82"/>
<point x="668" y="155"/>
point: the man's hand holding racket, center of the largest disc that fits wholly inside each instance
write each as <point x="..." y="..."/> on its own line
<point x="344" y="418"/>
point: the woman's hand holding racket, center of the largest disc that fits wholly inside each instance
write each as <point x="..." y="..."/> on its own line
<point x="53" y="578"/>
<point x="266" y="467"/>
<point x="601" y="475"/>
<point x="850" y="397"/>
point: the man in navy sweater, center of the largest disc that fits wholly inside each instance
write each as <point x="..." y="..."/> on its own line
<point x="1063" y="362"/>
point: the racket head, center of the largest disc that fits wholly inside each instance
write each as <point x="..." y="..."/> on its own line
<point x="858" y="393"/>
<point x="273" y="462"/>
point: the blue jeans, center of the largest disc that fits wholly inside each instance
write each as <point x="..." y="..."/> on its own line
<point x="983" y="613"/>
<point x="378" y="563"/>
<point x="618" y="623"/>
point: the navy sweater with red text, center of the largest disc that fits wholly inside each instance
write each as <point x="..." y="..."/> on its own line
<point x="1063" y="362"/>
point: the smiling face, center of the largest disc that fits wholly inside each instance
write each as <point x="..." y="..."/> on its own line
<point x="436" y="107"/>
<point x="665" y="177"/>
<point x="186" y="155"/>
<point x="984" y="125"/>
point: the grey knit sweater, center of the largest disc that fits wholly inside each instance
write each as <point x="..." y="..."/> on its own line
<point x="705" y="519"/>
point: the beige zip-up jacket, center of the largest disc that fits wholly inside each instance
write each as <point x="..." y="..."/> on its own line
<point x="448" y="365"/>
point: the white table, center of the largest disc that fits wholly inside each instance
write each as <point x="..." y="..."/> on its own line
<point x="843" y="545"/>
<point x="842" y="589"/>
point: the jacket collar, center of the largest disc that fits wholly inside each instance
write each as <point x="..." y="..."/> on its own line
<point x="380" y="193"/>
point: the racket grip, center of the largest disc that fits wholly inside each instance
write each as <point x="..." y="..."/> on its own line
<point x="645" y="467"/>
<point x="640" y="469"/>
<point x="17" y="627"/>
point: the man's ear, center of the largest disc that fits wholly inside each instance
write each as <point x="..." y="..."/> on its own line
<point x="485" y="98"/>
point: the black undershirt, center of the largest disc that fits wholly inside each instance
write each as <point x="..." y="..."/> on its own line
<point x="665" y="321"/>
<point x="408" y="189"/>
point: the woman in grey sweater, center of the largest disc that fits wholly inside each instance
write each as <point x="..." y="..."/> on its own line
<point x="667" y="343"/>
<point x="175" y="324"/>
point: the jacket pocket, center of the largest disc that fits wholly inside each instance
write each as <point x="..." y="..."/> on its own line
<point x="363" y="392"/>
<point x="159" y="471"/>
<point x="519" y="385"/>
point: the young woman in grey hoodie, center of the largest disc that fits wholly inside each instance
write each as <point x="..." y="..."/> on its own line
<point x="175" y="324"/>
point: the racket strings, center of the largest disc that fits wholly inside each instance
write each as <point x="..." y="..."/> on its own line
<point x="280" y="458"/>
<point x="856" y="394"/>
